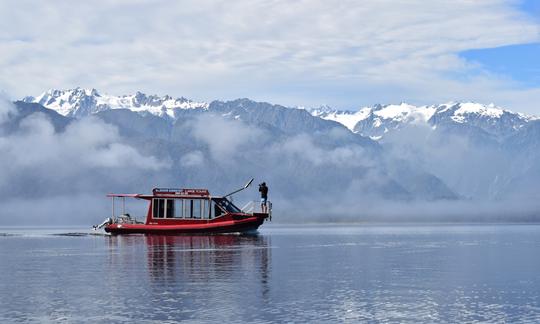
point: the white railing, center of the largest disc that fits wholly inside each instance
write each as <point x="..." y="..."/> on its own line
<point x="249" y="207"/>
<point x="255" y="207"/>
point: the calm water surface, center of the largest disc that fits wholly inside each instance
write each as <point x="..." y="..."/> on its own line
<point x="374" y="274"/>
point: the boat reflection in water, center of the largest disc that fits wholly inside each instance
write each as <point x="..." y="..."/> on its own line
<point x="206" y="257"/>
<point x="186" y="274"/>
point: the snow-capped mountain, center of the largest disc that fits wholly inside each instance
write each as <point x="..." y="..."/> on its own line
<point x="348" y="119"/>
<point x="373" y="122"/>
<point x="81" y="102"/>
<point x="497" y="122"/>
<point x="240" y="138"/>
<point x="378" y="120"/>
<point x="459" y="149"/>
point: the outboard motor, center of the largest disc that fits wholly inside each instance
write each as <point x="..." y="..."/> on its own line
<point x="105" y="223"/>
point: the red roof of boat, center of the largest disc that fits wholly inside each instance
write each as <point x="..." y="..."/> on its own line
<point x="167" y="192"/>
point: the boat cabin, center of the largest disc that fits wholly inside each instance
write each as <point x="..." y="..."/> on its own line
<point x="187" y="204"/>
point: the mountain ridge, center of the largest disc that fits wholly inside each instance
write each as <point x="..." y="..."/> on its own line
<point x="79" y="102"/>
<point x="374" y="122"/>
<point x="378" y="120"/>
<point x="240" y="138"/>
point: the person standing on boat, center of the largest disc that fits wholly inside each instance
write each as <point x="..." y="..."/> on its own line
<point x="263" y="189"/>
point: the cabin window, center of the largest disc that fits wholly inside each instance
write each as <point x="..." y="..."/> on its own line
<point x="186" y="208"/>
<point x="216" y="210"/>
<point x="196" y="211"/>
<point x="159" y="208"/>
<point x="206" y="209"/>
<point x="227" y="205"/>
<point x="179" y="208"/>
<point x="163" y="208"/>
<point x="170" y="208"/>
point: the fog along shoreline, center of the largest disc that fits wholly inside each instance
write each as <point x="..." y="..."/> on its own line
<point x="480" y="167"/>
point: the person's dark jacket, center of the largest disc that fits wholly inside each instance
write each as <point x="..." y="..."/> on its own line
<point x="263" y="189"/>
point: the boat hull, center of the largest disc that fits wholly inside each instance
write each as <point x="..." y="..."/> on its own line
<point x="250" y="224"/>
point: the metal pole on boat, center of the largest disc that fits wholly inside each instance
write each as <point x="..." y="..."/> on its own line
<point x="123" y="205"/>
<point x="112" y="215"/>
<point x="245" y="187"/>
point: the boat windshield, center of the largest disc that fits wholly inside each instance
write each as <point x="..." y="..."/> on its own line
<point x="227" y="205"/>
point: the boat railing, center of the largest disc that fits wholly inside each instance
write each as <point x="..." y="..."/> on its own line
<point x="127" y="219"/>
<point x="255" y="207"/>
<point x="249" y="207"/>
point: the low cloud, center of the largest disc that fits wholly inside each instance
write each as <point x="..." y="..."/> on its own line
<point x="312" y="181"/>
<point x="312" y="177"/>
<point x="369" y="209"/>
<point x="224" y="138"/>
<point x="467" y="167"/>
<point x="192" y="159"/>
<point x="88" y="158"/>
<point x="7" y="110"/>
<point x="85" y="144"/>
<point x="303" y="147"/>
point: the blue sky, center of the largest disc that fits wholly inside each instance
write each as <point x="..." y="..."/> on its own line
<point x="531" y="7"/>
<point x="518" y="62"/>
<point x="346" y="54"/>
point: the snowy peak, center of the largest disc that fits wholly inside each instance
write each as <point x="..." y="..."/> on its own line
<point x="377" y="120"/>
<point x="348" y="119"/>
<point x="382" y="119"/>
<point x="473" y="108"/>
<point x="66" y="102"/>
<point x="377" y="113"/>
<point x="494" y="120"/>
<point x="461" y="112"/>
<point x="404" y="113"/>
<point x="81" y="102"/>
<point x="373" y="122"/>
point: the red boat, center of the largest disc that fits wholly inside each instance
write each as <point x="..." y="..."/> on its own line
<point x="184" y="211"/>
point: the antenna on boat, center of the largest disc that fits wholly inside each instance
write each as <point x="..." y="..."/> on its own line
<point x="245" y="187"/>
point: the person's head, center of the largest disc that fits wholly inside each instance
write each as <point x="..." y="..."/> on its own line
<point x="263" y="184"/>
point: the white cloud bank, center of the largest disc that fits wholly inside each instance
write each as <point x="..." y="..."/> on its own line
<point x="345" y="53"/>
<point x="224" y="138"/>
<point x="35" y="155"/>
<point x="60" y="177"/>
<point x="87" y="143"/>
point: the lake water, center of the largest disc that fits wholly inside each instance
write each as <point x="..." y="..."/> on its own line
<point x="325" y="273"/>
